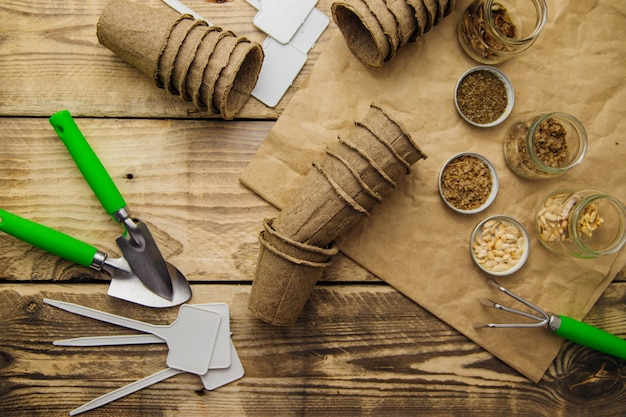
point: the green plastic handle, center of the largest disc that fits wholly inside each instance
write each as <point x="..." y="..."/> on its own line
<point x="592" y="337"/>
<point x="87" y="161"/>
<point x="47" y="239"/>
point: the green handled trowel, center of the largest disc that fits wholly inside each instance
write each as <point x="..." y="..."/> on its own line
<point x="136" y="243"/>
<point x="124" y="283"/>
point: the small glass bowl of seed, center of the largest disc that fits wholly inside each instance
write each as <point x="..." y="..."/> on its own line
<point x="468" y="183"/>
<point x="484" y="96"/>
<point x="499" y="245"/>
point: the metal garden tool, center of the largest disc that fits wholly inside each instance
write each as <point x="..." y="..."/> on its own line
<point x="124" y="283"/>
<point x="136" y="243"/>
<point x="574" y="330"/>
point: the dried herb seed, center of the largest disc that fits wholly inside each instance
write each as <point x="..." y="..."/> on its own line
<point x="549" y="142"/>
<point x="466" y="182"/>
<point x="482" y="97"/>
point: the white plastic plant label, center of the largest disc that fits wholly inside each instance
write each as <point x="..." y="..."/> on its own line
<point x="281" y="19"/>
<point x="283" y="62"/>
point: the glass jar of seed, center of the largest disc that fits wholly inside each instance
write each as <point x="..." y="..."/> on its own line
<point x="585" y="223"/>
<point x="492" y="31"/>
<point x="545" y="145"/>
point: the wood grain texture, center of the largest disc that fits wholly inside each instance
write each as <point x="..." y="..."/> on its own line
<point x="50" y="59"/>
<point x="357" y="350"/>
<point x="180" y="176"/>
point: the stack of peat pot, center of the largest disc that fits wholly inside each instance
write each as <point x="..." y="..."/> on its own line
<point x="214" y="68"/>
<point x="375" y="30"/>
<point x="337" y="193"/>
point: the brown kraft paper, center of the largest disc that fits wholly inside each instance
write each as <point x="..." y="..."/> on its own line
<point x="413" y="241"/>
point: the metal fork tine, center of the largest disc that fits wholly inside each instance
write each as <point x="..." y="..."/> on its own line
<point x="520" y="299"/>
<point x="507" y="325"/>
<point x="514" y="325"/>
<point x="498" y="306"/>
<point x="542" y="319"/>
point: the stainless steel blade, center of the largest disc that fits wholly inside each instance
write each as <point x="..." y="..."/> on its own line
<point x="145" y="259"/>
<point x="127" y="286"/>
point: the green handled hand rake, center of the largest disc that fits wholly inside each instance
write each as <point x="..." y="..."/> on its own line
<point x="574" y="330"/>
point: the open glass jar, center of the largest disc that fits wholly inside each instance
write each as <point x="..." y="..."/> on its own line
<point x="545" y="145"/>
<point x="585" y="223"/>
<point x="492" y="31"/>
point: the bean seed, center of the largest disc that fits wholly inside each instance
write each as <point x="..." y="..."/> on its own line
<point x="498" y="246"/>
<point x="554" y="217"/>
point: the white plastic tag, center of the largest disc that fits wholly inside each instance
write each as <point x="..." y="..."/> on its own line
<point x="281" y="65"/>
<point x="280" y="19"/>
<point x="309" y="32"/>
<point x="216" y="378"/>
<point x="283" y="62"/>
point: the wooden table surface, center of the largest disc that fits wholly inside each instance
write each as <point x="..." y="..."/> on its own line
<point x="359" y="347"/>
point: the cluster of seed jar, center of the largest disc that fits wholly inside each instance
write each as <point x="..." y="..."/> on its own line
<point x="584" y="223"/>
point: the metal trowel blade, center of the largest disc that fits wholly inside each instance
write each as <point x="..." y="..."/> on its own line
<point x="129" y="287"/>
<point x="145" y="259"/>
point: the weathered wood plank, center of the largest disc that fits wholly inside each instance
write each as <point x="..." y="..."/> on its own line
<point x="356" y="351"/>
<point x="180" y="176"/>
<point x="50" y="58"/>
